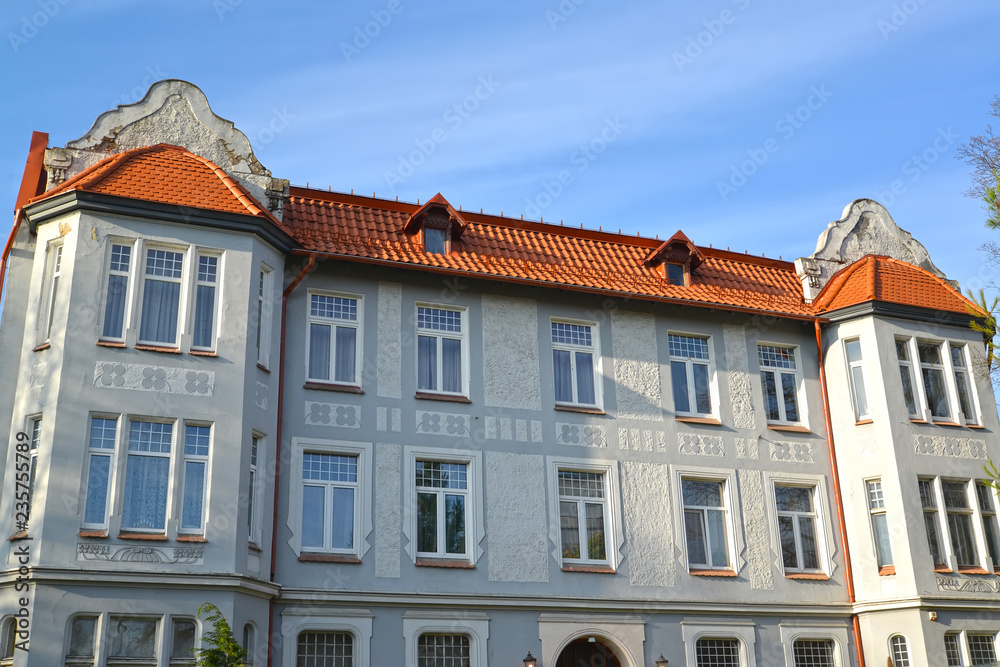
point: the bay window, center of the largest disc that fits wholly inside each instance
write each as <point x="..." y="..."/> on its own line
<point x="100" y="464"/>
<point x="205" y="302"/>
<point x="196" y="448"/>
<point x="880" y="525"/>
<point x="906" y="376"/>
<point x="856" y="372"/>
<point x="116" y="298"/>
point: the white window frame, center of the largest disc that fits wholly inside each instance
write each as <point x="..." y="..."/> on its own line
<point x="825" y="545"/>
<point x="981" y="551"/>
<point x="876" y="507"/>
<point x="744" y="632"/>
<point x="800" y="402"/>
<point x="689" y="362"/>
<point x="964" y="650"/>
<point x="216" y="309"/>
<point x="790" y="632"/>
<point x="594" y="349"/>
<point x="934" y="512"/>
<point x="364" y="451"/>
<point x="254" y="487"/>
<point x="989" y="515"/>
<point x="265" y="306"/>
<point x="205" y="460"/>
<point x="730" y="499"/>
<point x="475" y="529"/>
<point x="130" y="287"/>
<point x="897" y="659"/>
<point x="440" y="537"/>
<point x="858" y="366"/>
<point x="172" y="484"/>
<point x="463" y="336"/>
<point x="474" y="624"/>
<point x="163" y="639"/>
<point x="334" y="323"/>
<point x="54" y="261"/>
<point x="613" y="530"/>
<point x="82" y="661"/>
<point x="33" y="427"/>
<point x="970" y="384"/>
<point x="916" y="384"/>
<point x="168" y="653"/>
<point x="186" y="253"/>
<point x="112" y="455"/>
<point x="298" y="619"/>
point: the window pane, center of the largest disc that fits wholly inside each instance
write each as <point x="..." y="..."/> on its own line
<point x="717" y="653"/>
<point x="346" y="354"/>
<point x="435" y="650"/>
<point x="114" y="307"/>
<point x="571" y="334"/>
<point x="793" y="498"/>
<point x="688" y="346"/>
<point x="703" y="400"/>
<point x="962" y="543"/>
<point x="454" y="516"/>
<point x="788" y="392"/>
<point x="853" y="350"/>
<point x="786" y="528"/>
<point x="675" y="274"/>
<point x="132" y="638"/>
<point x="563" y="375"/>
<point x="427" y="522"/>
<point x="585" y="378"/>
<point x="951" y="650"/>
<point x="860" y="395"/>
<point x="145" y="502"/>
<point x="160" y="300"/>
<point x="883" y="549"/>
<point x="81" y="637"/>
<point x="937" y="394"/>
<point x="933" y="542"/>
<point x="569" y="520"/>
<point x="97" y="489"/>
<point x="581" y="484"/>
<point x="717" y="538"/>
<point x="907" y="380"/>
<point x="451" y="365"/>
<point x="204" y="313"/>
<point x="694" y="525"/>
<point x="332" y="307"/>
<point x="992" y="542"/>
<point x="776" y="357"/>
<point x="325" y="649"/>
<point x="678" y="380"/>
<point x="183" y="640"/>
<point x="707" y="494"/>
<point x="930" y="353"/>
<point x="595" y="531"/>
<point x="427" y="363"/>
<point x="955" y="495"/>
<point x="343" y="518"/>
<point x="194" y="494"/>
<point x="982" y="649"/>
<point x="330" y="467"/>
<point x="439" y="319"/>
<point x="440" y="475"/>
<point x="770" y="395"/>
<point x="813" y="653"/>
<point x="319" y="351"/>
<point x="964" y="402"/>
<point x="434" y="240"/>
<point x="313" y="515"/>
<point x="807" y="533"/>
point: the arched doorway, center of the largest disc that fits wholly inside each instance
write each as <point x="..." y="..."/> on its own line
<point x="587" y="652"/>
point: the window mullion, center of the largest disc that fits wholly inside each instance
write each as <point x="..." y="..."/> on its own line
<point x="442" y="526"/>
<point x="574" y="380"/>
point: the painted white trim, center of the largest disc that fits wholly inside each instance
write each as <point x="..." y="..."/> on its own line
<point x="359" y="337"/>
<point x="614" y="532"/>
<point x="744" y="632"/>
<point x="266" y="311"/>
<point x="476" y="625"/>
<point x="357" y="622"/>
<point x="598" y="360"/>
<point x="463" y="336"/>
<point x="713" y="378"/>
<point x="731" y="500"/>
<point x="625" y="633"/>
<point x="800" y="385"/>
<point x="826" y="546"/>
<point x="790" y="632"/>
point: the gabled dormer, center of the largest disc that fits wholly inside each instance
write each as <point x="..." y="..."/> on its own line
<point x="678" y="257"/>
<point x="438" y="225"/>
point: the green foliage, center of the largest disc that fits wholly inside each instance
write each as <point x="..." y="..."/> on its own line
<point x="992" y="199"/>
<point x="221" y="648"/>
<point x="992" y="475"/>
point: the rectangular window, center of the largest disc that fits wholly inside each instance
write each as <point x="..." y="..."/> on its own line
<point x="959" y="511"/>
<point x="982" y="649"/>
<point x="779" y="380"/>
<point x="880" y="526"/>
<point x="857" y="375"/>
<point x="935" y="388"/>
<point x="147" y="476"/>
<point x="53" y="294"/>
<point x="705" y="524"/>
<point x="116" y="299"/>
<point x="583" y="511"/>
<point x="132" y="641"/>
<point x="929" y="503"/>
<point x="197" y="440"/>
<point x="161" y="296"/>
<point x="987" y="508"/>
<point x="263" y="337"/>
<point x="252" y="489"/>
<point x="34" y="433"/>
<point x="442" y="498"/>
<point x="204" y="302"/>
<point x="906" y="376"/>
<point x="813" y="653"/>
<point x="690" y="375"/>
<point x="329" y="492"/>
<point x="82" y="633"/>
<point x="441" y="350"/>
<point x="333" y="338"/>
<point x="182" y="642"/>
<point x="439" y="650"/>
<point x="718" y="652"/>
<point x="962" y="383"/>
<point x="436" y="240"/>
<point x="100" y="461"/>
<point x="797" y="527"/>
<point x="674" y="273"/>
<point x="325" y="649"/>
<point x="573" y="355"/>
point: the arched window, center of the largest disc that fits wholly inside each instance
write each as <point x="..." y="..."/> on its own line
<point x="441" y="649"/>
<point x="8" y="637"/>
<point x="900" y="651"/>
<point x="813" y="653"/>
<point x="249" y="643"/>
<point x="325" y="649"/>
<point x="718" y="652"/>
<point x="82" y="633"/>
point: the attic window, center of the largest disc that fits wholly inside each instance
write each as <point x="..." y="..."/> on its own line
<point x="436" y="240"/>
<point x="674" y="273"/>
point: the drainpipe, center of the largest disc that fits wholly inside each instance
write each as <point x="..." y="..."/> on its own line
<point x="32" y="185"/>
<point x="277" y="440"/>
<point x="837" y="495"/>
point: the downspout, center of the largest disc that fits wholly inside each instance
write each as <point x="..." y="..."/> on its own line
<point x="277" y="440"/>
<point x="835" y="472"/>
<point x="32" y="185"/>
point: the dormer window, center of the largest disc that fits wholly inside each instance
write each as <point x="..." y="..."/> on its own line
<point x="677" y="258"/>
<point x="436" y="240"/>
<point x="439" y="224"/>
<point x="674" y="273"/>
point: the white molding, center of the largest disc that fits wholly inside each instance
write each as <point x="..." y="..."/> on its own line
<point x="626" y="635"/>
<point x="474" y="624"/>
<point x="615" y="525"/>
<point x="744" y="632"/>
<point x="792" y="631"/>
<point x="357" y="622"/>
<point x="824" y="516"/>
<point x="732" y="501"/>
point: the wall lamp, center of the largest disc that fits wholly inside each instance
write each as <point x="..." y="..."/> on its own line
<point x="529" y="660"/>
<point x="661" y="662"/>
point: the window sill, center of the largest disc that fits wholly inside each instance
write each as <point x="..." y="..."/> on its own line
<point x="22" y="535"/>
<point x="955" y="424"/>
<point x="253" y="546"/>
<point x="863" y="421"/>
<point x="153" y="537"/>
<point x="191" y="538"/>
<point x="593" y="569"/>
<point x="431" y="396"/>
<point x="698" y="420"/>
<point x="887" y="570"/>
<point x="110" y="343"/>
<point x="43" y="346"/>
<point x="203" y="353"/>
<point x="343" y="559"/>
<point x="579" y="408"/>
<point x="93" y="533"/>
<point x="263" y="367"/>
<point x="444" y="562"/>
<point x="973" y="570"/>
<point x="944" y="569"/>
<point x="976" y="426"/>
<point x="154" y="348"/>
<point x="809" y="576"/>
<point x="790" y="428"/>
<point x="919" y="421"/>
<point x="712" y="573"/>
<point x="331" y="386"/>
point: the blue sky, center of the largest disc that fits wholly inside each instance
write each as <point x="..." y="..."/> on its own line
<point x="746" y="124"/>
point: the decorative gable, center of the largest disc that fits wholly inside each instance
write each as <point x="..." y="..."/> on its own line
<point x="439" y="223"/>
<point x="679" y="258"/>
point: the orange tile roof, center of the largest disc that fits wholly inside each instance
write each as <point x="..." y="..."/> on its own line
<point x="493" y="247"/>
<point x="166" y="174"/>
<point x="880" y="278"/>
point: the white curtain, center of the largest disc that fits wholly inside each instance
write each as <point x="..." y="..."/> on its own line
<point x="160" y="300"/>
<point x="585" y="378"/>
<point x="97" y="489"/>
<point x="145" y="504"/>
<point x="194" y="494"/>
<point x="114" y="308"/>
<point x="204" y="314"/>
<point x="427" y="363"/>
<point x="451" y="365"/>
<point x="343" y="518"/>
<point x="313" y="505"/>
<point x="346" y="354"/>
<point x="319" y="351"/>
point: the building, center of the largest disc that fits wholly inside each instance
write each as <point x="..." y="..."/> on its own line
<point x="384" y="433"/>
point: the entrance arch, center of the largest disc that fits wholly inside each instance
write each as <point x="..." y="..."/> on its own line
<point x="587" y="652"/>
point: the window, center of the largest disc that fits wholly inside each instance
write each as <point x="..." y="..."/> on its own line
<point x="147" y="479"/>
<point x="132" y="641"/>
<point x="252" y="523"/>
<point x="962" y="383"/>
<point x="196" y="446"/>
<point x="263" y="337"/>
<point x="906" y="376"/>
<point x="329" y="491"/>
<point x="690" y="375"/>
<point x="325" y="649"/>
<point x="952" y="651"/>
<point x="778" y="374"/>
<point x="334" y="350"/>
<point x="249" y="644"/>
<point x="161" y="294"/>
<point x="900" y="651"/>
<point x="982" y="649"/>
<point x="101" y="458"/>
<point x="934" y="383"/>
<point x="705" y="524"/>
<point x="987" y="509"/>
<point x="880" y="526"/>
<point x="959" y="511"/>
<point x="441" y="351"/>
<point x="442" y="493"/>
<point x="8" y="638"/>
<point x="117" y="295"/>
<point x="797" y="527"/>
<point x="813" y="653"/>
<point x="182" y="643"/>
<point x="438" y="650"/>
<point x="718" y="653"/>
<point x="204" y="303"/>
<point x="55" y="271"/>
<point x="82" y="633"/>
<point x="674" y="273"/>
<point x="34" y="441"/>
<point x="929" y="503"/>
<point x="436" y="240"/>
<point x="573" y="355"/>
<point x="583" y="510"/>
<point x="857" y="375"/>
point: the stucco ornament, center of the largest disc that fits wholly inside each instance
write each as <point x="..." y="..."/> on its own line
<point x="649" y="542"/>
<point x="694" y="444"/>
<point x="740" y="388"/>
<point x="961" y="448"/>
<point x="637" y="367"/>
<point x="580" y="434"/>
<point x="968" y="585"/>
<point x="506" y="428"/>
<point x="443" y="423"/>
<point x="792" y="452"/>
<point x="383" y="415"/>
<point x="388" y="510"/>
<point x="506" y="320"/>
<point x="162" y="379"/>
<point x="516" y="539"/>
<point x="642" y="440"/>
<point x="333" y="414"/>
<point x="755" y="521"/>
<point x="127" y="553"/>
